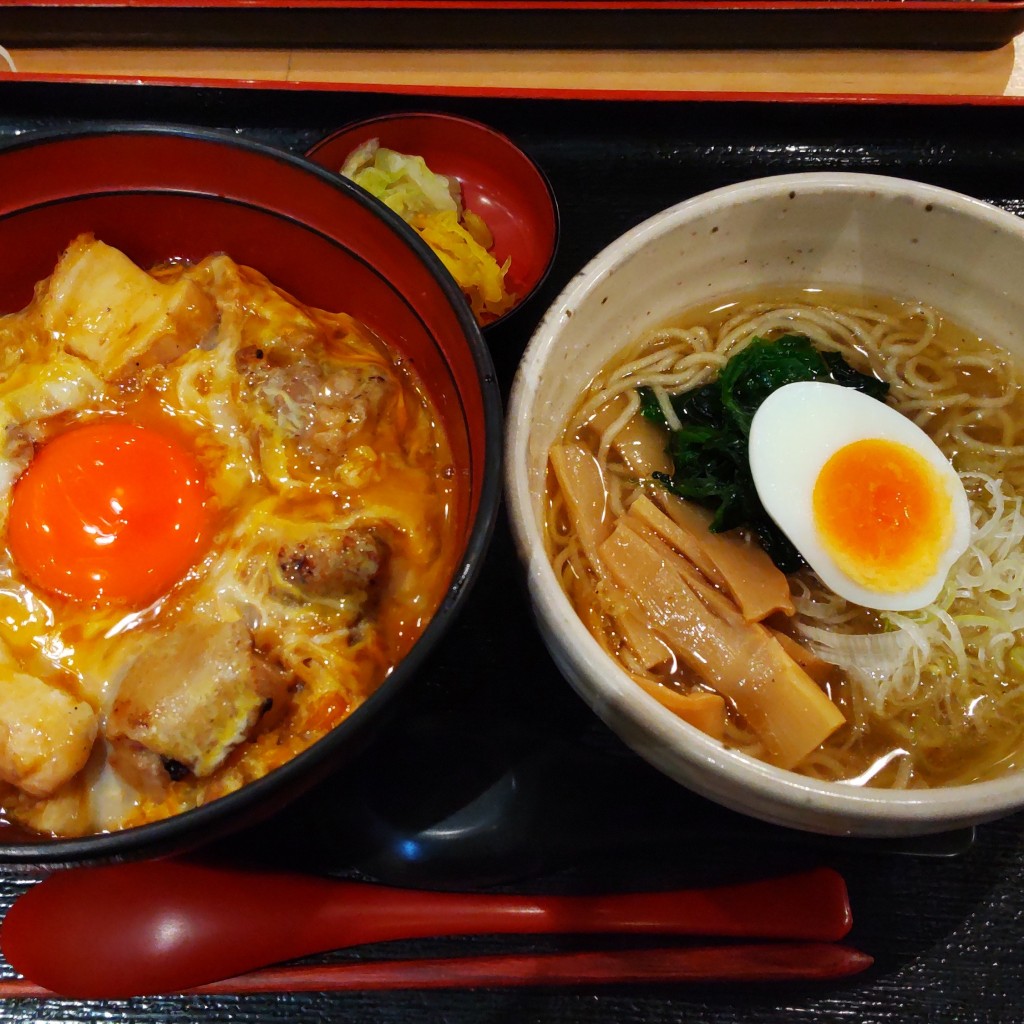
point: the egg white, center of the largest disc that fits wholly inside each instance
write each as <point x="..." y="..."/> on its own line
<point x="795" y="432"/>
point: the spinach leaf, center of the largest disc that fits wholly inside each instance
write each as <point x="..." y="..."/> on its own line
<point x="709" y="452"/>
<point x="698" y="405"/>
<point x="763" y="367"/>
<point x="843" y="373"/>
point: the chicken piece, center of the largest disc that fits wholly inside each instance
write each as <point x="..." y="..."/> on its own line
<point x="190" y="698"/>
<point x="321" y="404"/>
<point x="46" y="735"/>
<point x="143" y="770"/>
<point x="118" y="317"/>
<point x="37" y="391"/>
<point x="334" y="564"/>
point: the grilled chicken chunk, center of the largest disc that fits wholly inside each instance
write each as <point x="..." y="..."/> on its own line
<point x="118" y="317"/>
<point x="320" y="404"/>
<point x="190" y="698"/>
<point x="46" y="735"/>
<point x="334" y="564"/>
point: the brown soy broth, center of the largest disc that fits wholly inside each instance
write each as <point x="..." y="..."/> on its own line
<point x="913" y="743"/>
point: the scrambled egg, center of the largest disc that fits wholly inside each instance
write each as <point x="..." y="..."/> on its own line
<point x="225" y="518"/>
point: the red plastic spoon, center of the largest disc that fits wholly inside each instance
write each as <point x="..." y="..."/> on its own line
<point x="165" y="926"/>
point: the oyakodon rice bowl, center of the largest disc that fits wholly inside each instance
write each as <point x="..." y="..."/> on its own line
<point x="218" y="343"/>
<point x="741" y="360"/>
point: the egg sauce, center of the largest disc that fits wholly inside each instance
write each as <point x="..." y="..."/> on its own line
<point x="195" y="450"/>
<point x="958" y="717"/>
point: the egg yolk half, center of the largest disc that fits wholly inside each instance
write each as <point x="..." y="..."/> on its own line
<point x="109" y="513"/>
<point x="883" y="513"/>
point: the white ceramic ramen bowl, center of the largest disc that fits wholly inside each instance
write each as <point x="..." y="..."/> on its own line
<point x="884" y="235"/>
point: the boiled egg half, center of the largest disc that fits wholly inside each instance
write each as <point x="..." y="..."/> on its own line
<point x="868" y="499"/>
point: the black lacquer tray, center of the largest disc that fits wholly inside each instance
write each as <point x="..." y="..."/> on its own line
<point x="495" y="774"/>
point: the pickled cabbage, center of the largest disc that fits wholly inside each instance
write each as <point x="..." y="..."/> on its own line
<point x="432" y="204"/>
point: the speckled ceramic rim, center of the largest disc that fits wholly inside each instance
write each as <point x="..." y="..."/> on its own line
<point x="676" y="747"/>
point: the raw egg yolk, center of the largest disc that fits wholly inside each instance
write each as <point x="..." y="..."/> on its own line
<point x="883" y="513"/>
<point x="109" y="513"/>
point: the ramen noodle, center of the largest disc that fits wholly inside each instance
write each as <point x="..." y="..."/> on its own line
<point x="925" y="696"/>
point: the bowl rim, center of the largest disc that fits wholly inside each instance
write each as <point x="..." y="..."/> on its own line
<point x="444" y="116"/>
<point x="210" y="821"/>
<point x="600" y="680"/>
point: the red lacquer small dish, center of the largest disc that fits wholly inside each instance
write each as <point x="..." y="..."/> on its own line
<point x="500" y="183"/>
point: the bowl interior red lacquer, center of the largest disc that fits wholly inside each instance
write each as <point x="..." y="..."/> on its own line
<point x="499" y="182"/>
<point x="159" y="194"/>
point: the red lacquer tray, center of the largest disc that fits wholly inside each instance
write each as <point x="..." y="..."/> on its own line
<point x="643" y="24"/>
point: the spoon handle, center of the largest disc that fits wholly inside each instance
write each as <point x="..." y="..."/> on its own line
<point x="807" y="905"/>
